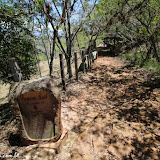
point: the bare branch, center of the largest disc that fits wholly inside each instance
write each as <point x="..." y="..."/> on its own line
<point x="43" y="39"/>
<point x="82" y="23"/>
<point x="82" y="5"/>
<point x="56" y="8"/>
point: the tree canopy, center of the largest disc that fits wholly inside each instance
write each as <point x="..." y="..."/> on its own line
<point x="74" y="24"/>
<point x="16" y="41"/>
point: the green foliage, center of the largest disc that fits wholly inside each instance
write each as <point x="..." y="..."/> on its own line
<point x="42" y="57"/>
<point x="149" y="64"/>
<point x="136" y="22"/>
<point x="131" y="24"/>
<point x="41" y="1"/>
<point x="153" y="66"/>
<point x="15" y="41"/>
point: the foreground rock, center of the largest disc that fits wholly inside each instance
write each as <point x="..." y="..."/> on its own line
<point x="37" y="107"/>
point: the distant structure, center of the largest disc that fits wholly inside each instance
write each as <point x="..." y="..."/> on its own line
<point x="104" y="44"/>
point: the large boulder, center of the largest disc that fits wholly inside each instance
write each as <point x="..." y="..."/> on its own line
<point x="37" y="106"/>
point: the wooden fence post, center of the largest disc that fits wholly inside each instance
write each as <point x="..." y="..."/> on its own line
<point x="83" y="62"/>
<point x="76" y="65"/>
<point x="88" y="62"/>
<point x="15" y="69"/>
<point x="87" y="58"/>
<point x="90" y="59"/>
<point x="62" y="71"/>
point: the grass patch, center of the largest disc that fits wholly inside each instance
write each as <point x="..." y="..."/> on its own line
<point x="151" y="65"/>
<point x="42" y="57"/>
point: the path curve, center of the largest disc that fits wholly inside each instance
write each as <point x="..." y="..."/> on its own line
<point x="112" y="113"/>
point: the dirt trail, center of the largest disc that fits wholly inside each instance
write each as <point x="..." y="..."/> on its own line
<point x="112" y="112"/>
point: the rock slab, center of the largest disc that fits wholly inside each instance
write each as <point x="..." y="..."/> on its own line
<point x="37" y="106"/>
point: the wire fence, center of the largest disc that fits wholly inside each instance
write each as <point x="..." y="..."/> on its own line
<point x="57" y="69"/>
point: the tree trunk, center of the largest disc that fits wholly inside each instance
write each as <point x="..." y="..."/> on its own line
<point x="52" y="55"/>
<point x="155" y="49"/>
<point x="69" y="69"/>
<point x="148" y="53"/>
<point x="135" y="55"/>
<point x="69" y="45"/>
<point x="142" y="59"/>
<point x="68" y="42"/>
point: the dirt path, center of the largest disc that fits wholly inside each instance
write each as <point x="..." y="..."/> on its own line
<point x="113" y="112"/>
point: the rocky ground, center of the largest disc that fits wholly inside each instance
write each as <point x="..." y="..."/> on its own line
<point x="111" y="113"/>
